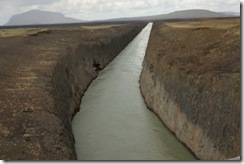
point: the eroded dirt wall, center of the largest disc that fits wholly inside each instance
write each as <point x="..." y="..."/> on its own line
<point x="191" y="80"/>
<point x="42" y="79"/>
<point x="74" y="71"/>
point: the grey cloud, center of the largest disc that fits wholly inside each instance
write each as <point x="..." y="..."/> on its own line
<point x="26" y="2"/>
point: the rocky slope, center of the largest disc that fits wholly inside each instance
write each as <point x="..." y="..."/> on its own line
<point x="191" y="80"/>
<point x="43" y="77"/>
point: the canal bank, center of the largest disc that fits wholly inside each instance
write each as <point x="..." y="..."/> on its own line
<point x="114" y="123"/>
<point x="191" y="80"/>
<point x="43" y="76"/>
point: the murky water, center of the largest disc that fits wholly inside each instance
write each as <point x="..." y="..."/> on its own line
<point x="114" y="123"/>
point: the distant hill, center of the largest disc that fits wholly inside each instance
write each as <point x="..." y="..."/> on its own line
<point x="232" y="13"/>
<point x="39" y="17"/>
<point x="184" y="14"/>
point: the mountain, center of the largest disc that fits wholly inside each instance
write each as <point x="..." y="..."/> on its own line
<point x="183" y="14"/>
<point x="232" y="13"/>
<point x="47" y="17"/>
<point x="39" y="17"/>
<point x="193" y="14"/>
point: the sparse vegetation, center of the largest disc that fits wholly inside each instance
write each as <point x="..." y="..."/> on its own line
<point x="98" y="27"/>
<point x="21" y="32"/>
<point x="217" y="24"/>
<point x="15" y="32"/>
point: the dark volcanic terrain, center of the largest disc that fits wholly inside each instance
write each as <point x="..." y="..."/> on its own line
<point x="43" y="74"/>
<point x="191" y="79"/>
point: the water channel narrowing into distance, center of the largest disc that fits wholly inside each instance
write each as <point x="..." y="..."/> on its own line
<point x="114" y="123"/>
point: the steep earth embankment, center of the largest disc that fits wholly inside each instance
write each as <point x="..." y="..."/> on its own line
<point x="191" y="80"/>
<point x="43" y="76"/>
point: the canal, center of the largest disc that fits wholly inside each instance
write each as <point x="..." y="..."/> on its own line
<point x="114" y="123"/>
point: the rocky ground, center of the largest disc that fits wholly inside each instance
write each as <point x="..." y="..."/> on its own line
<point x="43" y="74"/>
<point x="191" y="79"/>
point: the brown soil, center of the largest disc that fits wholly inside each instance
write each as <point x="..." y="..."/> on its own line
<point x="42" y="78"/>
<point x="197" y="63"/>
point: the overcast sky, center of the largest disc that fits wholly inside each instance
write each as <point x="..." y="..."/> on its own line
<point x="104" y="9"/>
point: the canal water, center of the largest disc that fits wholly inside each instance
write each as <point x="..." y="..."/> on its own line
<point x="114" y="122"/>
